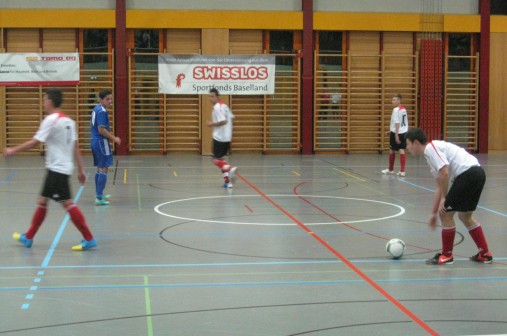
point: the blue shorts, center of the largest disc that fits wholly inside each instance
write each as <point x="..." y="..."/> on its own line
<point x="102" y="154"/>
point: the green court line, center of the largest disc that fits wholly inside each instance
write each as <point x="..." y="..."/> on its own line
<point x="139" y="204"/>
<point x="149" y="321"/>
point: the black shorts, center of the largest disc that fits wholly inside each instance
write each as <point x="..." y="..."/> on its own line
<point x="56" y="186"/>
<point x="392" y="141"/>
<point x="466" y="190"/>
<point x="220" y="149"/>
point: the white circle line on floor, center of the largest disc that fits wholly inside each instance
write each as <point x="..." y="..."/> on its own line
<point x="157" y="209"/>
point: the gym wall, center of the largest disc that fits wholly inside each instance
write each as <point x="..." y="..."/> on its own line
<point x="58" y="4"/>
<point x="25" y="23"/>
<point x="397" y="6"/>
<point x="217" y="5"/>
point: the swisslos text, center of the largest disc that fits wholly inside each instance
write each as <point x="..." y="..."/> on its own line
<point x="230" y="72"/>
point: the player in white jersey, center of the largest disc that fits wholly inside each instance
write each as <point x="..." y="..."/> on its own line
<point x="398" y="128"/>
<point x="452" y="164"/>
<point x="222" y="119"/>
<point x="58" y="132"/>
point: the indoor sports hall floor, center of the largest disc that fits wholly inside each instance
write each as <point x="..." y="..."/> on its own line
<point x="295" y="248"/>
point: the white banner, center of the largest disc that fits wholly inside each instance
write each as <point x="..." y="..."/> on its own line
<point x="197" y="74"/>
<point x="28" y="69"/>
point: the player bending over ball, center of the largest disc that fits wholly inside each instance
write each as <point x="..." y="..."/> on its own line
<point x="221" y="117"/>
<point x="58" y="132"/>
<point x="452" y="164"/>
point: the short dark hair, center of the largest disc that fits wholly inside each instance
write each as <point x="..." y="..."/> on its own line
<point x="416" y="134"/>
<point x="56" y="96"/>
<point x="215" y="91"/>
<point x="104" y="93"/>
<point x="398" y="95"/>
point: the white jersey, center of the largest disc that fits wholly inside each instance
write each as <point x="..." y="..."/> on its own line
<point x="441" y="153"/>
<point x="220" y="113"/>
<point x="399" y="116"/>
<point x="58" y="132"/>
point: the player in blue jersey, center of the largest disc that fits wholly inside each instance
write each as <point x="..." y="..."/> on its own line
<point x="100" y="144"/>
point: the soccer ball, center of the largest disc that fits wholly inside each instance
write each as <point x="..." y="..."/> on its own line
<point x="395" y="247"/>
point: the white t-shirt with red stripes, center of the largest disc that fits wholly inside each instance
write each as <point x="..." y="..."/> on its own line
<point x="220" y="113"/>
<point x="58" y="132"/>
<point x="399" y="116"/>
<point x="441" y="153"/>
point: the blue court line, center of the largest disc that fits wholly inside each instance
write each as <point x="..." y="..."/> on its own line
<point x="267" y="263"/>
<point x="59" y="234"/>
<point x="479" y="206"/>
<point x="52" y="248"/>
<point x="8" y="178"/>
<point x="259" y="284"/>
<point x="14" y="289"/>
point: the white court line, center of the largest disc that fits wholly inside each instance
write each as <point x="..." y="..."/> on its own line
<point x="157" y="209"/>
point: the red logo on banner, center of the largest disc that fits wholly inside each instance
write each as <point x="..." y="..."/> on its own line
<point x="230" y="72"/>
<point x="50" y="58"/>
<point x="179" y="78"/>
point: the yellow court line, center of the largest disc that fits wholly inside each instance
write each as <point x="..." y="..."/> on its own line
<point x="348" y="174"/>
<point x="384" y="194"/>
<point x="174" y="173"/>
<point x="125" y="176"/>
<point x="296" y="173"/>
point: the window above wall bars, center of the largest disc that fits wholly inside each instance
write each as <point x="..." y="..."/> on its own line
<point x="498" y="7"/>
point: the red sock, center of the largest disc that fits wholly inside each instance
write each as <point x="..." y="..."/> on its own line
<point x="479" y="239"/>
<point x="222" y="164"/>
<point x="448" y="240"/>
<point x="403" y="160"/>
<point x="226" y="177"/>
<point x="392" y="156"/>
<point x="38" y="218"/>
<point x="219" y="163"/>
<point x="79" y="221"/>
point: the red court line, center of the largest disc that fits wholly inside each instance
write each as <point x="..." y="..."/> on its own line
<point x="372" y="283"/>
<point x="369" y="233"/>
<point x="249" y="209"/>
<point x="345" y="224"/>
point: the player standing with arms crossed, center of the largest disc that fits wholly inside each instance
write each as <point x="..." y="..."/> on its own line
<point x="221" y="117"/>
<point x="450" y="163"/>
<point x="101" y="148"/>
<point x="399" y="126"/>
<point x="58" y="132"/>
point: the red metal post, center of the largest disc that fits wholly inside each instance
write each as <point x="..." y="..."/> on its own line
<point x="41" y="39"/>
<point x="485" y="10"/>
<point x="77" y="38"/>
<point x="5" y="39"/>
<point x="307" y="79"/>
<point x="120" y="74"/>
